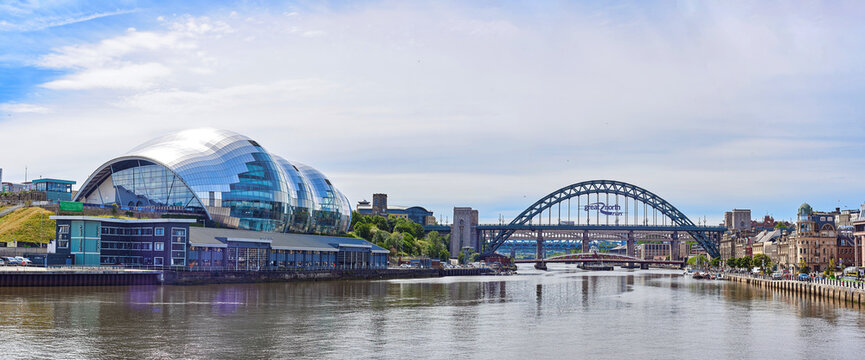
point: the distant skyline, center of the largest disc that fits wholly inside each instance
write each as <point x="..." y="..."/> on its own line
<point x="711" y="105"/>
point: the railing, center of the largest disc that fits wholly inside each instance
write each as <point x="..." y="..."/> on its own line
<point x="814" y="279"/>
<point x="208" y="268"/>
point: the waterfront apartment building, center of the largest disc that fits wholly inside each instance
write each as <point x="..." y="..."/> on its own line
<point x="859" y="237"/>
<point x="661" y="250"/>
<point x="99" y="241"/>
<point x="816" y="238"/>
<point x="653" y="251"/>
<point x="735" y="244"/>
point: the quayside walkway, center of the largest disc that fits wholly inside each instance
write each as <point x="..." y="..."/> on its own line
<point x="105" y="276"/>
<point x="853" y="292"/>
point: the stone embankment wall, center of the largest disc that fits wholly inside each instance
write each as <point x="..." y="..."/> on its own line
<point x="812" y="288"/>
<point x="24" y="196"/>
<point x="78" y="278"/>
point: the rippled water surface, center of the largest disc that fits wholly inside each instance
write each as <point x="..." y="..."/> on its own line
<point x="562" y="313"/>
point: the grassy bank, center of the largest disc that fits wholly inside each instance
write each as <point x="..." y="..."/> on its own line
<point x="23" y="225"/>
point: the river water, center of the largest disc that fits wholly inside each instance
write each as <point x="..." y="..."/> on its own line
<point x="563" y="313"/>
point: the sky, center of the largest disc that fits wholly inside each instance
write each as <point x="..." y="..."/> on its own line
<point x="488" y="104"/>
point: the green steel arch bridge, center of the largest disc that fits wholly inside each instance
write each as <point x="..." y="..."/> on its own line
<point x="597" y="210"/>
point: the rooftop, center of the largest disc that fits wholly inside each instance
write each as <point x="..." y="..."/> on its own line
<point x="119" y="220"/>
<point x="56" y="181"/>
<point x="219" y="237"/>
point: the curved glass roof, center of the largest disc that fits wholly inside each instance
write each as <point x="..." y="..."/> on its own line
<point x="231" y="177"/>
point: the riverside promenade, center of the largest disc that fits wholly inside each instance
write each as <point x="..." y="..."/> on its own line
<point x="108" y="276"/>
<point x="827" y="288"/>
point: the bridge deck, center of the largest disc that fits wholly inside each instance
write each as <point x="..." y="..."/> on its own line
<point x="614" y="261"/>
<point x="443" y="228"/>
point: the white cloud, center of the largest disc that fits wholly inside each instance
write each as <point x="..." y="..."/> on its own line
<point x="23" y="108"/>
<point x="444" y="104"/>
<point x="30" y="22"/>
<point x="135" y="76"/>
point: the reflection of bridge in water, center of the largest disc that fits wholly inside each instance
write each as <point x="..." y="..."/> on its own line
<point x="601" y="258"/>
<point x="578" y="215"/>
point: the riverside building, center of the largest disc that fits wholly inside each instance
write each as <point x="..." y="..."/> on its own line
<point x="225" y="203"/>
<point x="380" y="207"/>
<point x="173" y="243"/>
<point x="859" y="237"/>
<point x="816" y="238"/>
<point x="224" y="179"/>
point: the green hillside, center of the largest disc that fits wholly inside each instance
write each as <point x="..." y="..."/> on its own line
<point x="23" y="225"/>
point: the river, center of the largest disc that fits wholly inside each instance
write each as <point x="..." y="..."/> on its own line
<point x="563" y="313"/>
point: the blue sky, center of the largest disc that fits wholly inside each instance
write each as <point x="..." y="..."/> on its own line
<point x="712" y="105"/>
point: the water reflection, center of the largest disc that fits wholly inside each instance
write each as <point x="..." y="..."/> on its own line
<point x="614" y="314"/>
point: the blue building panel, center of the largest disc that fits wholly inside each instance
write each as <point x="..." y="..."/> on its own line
<point x="100" y="241"/>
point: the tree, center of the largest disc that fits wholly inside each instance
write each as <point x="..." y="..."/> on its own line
<point x="733" y="263"/>
<point x="380" y="223"/>
<point x="830" y="270"/>
<point x="364" y="230"/>
<point x="716" y="262"/>
<point x="698" y="261"/>
<point x="763" y="261"/>
<point x="803" y="268"/>
<point x="394" y="243"/>
<point x="379" y="236"/>
<point x="467" y="255"/>
<point x="745" y="262"/>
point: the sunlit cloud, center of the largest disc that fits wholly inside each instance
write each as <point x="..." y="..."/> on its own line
<point x="711" y="105"/>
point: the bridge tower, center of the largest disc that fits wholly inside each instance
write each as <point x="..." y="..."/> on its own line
<point x="464" y="230"/>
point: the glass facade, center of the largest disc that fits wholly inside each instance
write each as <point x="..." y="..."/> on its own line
<point x="302" y="206"/>
<point x="228" y="176"/>
<point x="146" y="184"/>
<point x="331" y="209"/>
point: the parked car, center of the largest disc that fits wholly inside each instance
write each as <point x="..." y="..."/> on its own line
<point x="804" y="277"/>
<point x="777" y="276"/>
<point x="23" y="260"/>
<point x="3" y="261"/>
<point x="11" y="260"/>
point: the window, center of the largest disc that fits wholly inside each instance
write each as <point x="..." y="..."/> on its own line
<point x="158" y="246"/>
<point x="178" y="235"/>
<point x="159" y="231"/>
<point x="157" y="261"/>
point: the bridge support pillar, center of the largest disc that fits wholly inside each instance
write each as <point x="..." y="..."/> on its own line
<point x="674" y="247"/>
<point x="585" y="246"/>
<point x="631" y="251"/>
<point x="541" y="264"/>
<point x="644" y="266"/>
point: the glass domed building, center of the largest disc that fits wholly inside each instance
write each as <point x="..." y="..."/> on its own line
<point x="226" y="177"/>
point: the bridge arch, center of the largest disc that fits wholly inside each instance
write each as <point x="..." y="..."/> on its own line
<point x="606" y="187"/>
